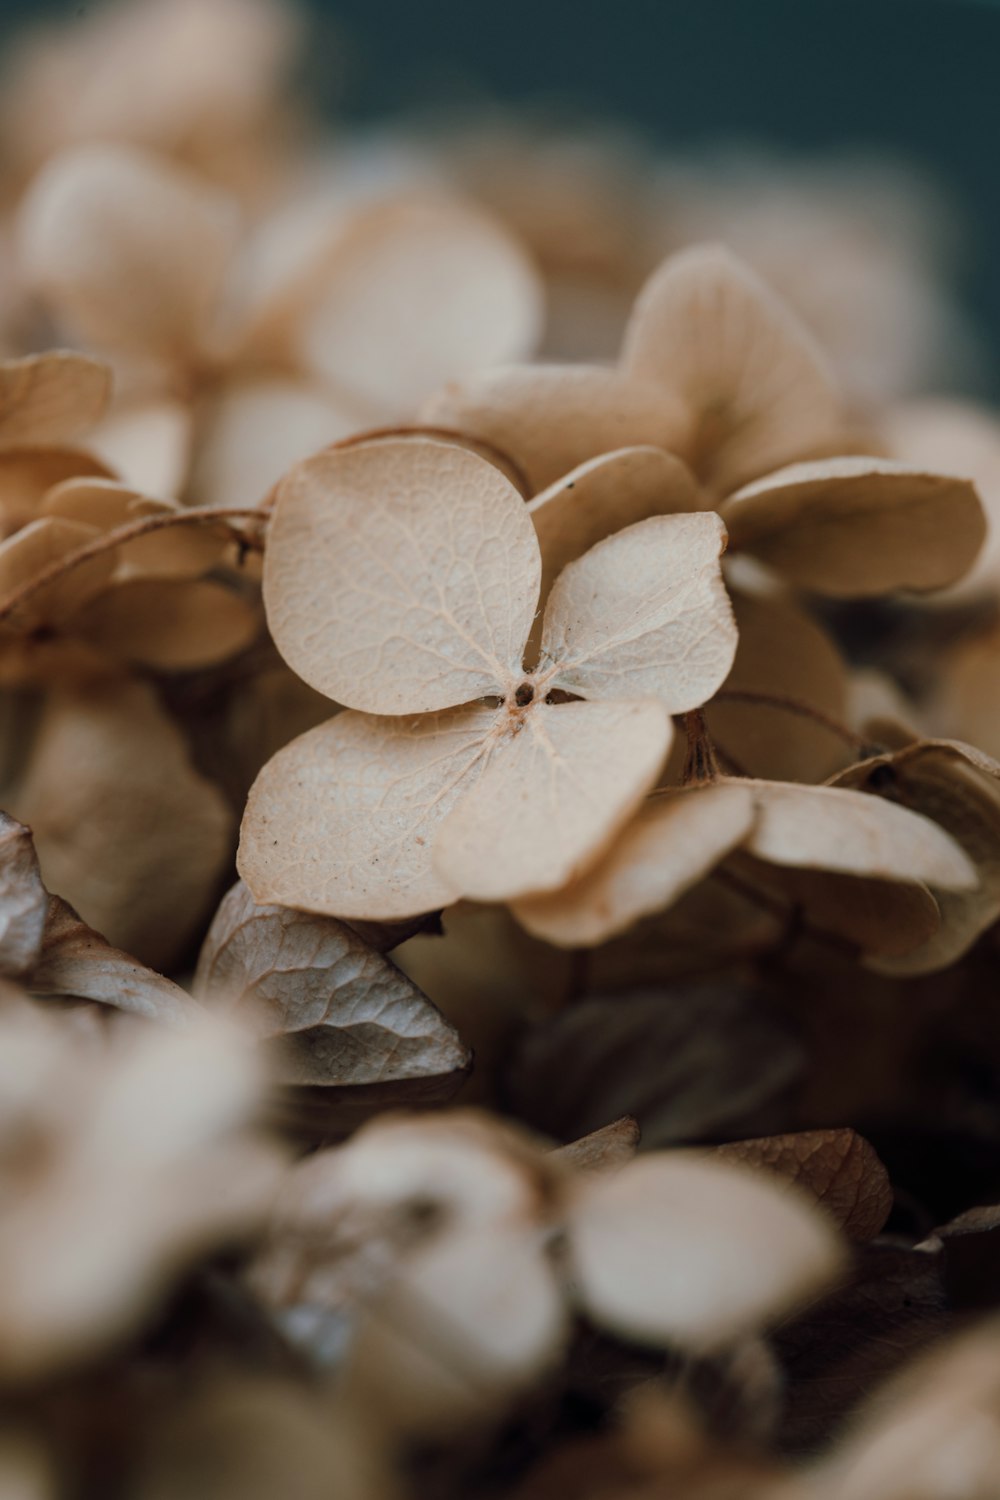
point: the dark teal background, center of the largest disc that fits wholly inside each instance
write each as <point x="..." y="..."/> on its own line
<point x="918" y="80"/>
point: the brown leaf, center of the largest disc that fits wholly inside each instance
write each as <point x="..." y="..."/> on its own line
<point x="76" y="961"/>
<point x="345" y="1015"/>
<point x="23" y="900"/>
<point x="687" y="1063"/>
<point x="838" y="1167"/>
<point x="611" y="1146"/>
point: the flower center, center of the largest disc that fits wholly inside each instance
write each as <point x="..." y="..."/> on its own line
<point x="524" y="694"/>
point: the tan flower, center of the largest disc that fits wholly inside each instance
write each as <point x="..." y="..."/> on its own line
<point x="117" y="1169"/>
<point x="715" y="369"/>
<point x="401" y="578"/>
<point x="324" y="320"/>
<point x="451" y="1252"/>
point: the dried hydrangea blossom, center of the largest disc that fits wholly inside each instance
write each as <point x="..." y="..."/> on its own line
<point x="401" y="578"/>
<point x="118" y="1169"/>
<point x="716" y="370"/>
<point x="315" y="325"/>
<point x="457" y="1253"/>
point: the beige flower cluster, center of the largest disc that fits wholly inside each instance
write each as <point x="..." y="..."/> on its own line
<point x="500" y="833"/>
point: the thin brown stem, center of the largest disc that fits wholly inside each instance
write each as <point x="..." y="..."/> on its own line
<point x="701" y="764"/>
<point x="108" y="540"/>
<point x="790" y="705"/>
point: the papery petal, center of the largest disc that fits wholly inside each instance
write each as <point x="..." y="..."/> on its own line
<point x="148" y="445"/>
<point x="833" y="828"/>
<point x="174" y="552"/>
<point x="26" y="477"/>
<point x="34" y="548"/>
<point x="253" y="433"/>
<point x="127" y="247"/>
<point x="644" y="614"/>
<point x="857" y="526"/>
<point x="682" y="1249"/>
<point x="416" y="292"/>
<point x="675" y="840"/>
<point x="49" y="400"/>
<point x="343" y="819"/>
<point x="172" y="624"/>
<point x="757" y="387"/>
<point x="604" y="495"/>
<point x="553" y="793"/>
<point x="550" y="418"/>
<point x="401" y="576"/>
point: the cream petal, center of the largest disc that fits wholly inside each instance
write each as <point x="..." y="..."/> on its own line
<point x="171" y="624"/>
<point x="342" y="820"/>
<point x="679" y="1248"/>
<point x="49" y="400"/>
<point x="415" y="292"/>
<point x="676" y="840"/>
<point x="644" y="614"/>
<point x="174" y="552"/>
<point x="127" y="247"/>
<point x="551" y="418"/>
<point x="148" y="445"/>
<point x="27" y="476"/>
<point x="856" y="526"/>
<point x="253" y="433"/>
<point x="758" y="389"/>
<point x="555" y="790"/>
<point x="836" y="829"/>
<point x="401" y="576"/>
<point x="31" y="550"/>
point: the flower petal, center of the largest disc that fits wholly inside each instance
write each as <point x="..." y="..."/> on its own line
<point x="342" y="820"/>
<point x="253" y="433"/>
<point x="174" y="552"/>
<point x="680" y="1248"/>
<point x="48" y="400"/>
<point x="417" y="292"/>
<point x="31" y="550"/>
<point x="550" y="418"/>
<point x="604" y="495"/>
<point x="128" y="248"/>
<point x="757" y="388"/>
<point x="552" y="795"/>
<point x="172" y="624"/>
<point x="833" y="828"/>
<point x="26" y="477"/>
<point x="673" y="842"/>
<point x="401" y="576"/>
<point x="644" y="614"/>
<point x="857" y="526"/>
<point x="148" y="445"/>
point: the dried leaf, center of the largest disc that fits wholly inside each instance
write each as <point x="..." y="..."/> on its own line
<point x="48" y="400"/>
<point x="857" y="526"/>
<point x="127" y="247"/>
<point x="675" y="840"/>
<point x="838" y="1167"/>
<point x="76" y="961"/>
<point x="662" y="627"/>
<point x="343" y="820"/>
<point x="401" y="576"/>
<point x="550" y="418"/>
<point x="756" y="387"/>
<point x="652" y="1259"/>
<point x="691" y="1062"/>
<point x="550" y="796"/>
<point x="415" y="292"/>
<point x="347" y="1015"/>
<point x="23" y="900"/>
<point x="611" y="1146"/>
<point x="125" y="828"/>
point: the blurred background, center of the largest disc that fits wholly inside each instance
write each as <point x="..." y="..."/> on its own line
<point x="879" y="118"/>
